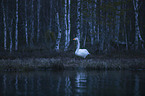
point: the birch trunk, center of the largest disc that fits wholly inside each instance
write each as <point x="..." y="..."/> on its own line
<point x="69" y="23"/>
<point x="59" y="33"/>
<point x="16" y="30"/>
<point x="101" y="43"/>
<point x="65" y="20"/>
<point x="50" y="24"/>
<point x="10" y="32"/>
<point x="26" y="24"/>
<point x="91" y="32"/>
<point x="82" y="21"/>
<point x="85" y="27"/>
<point x="126" y="33"/>
<point x="94" y="25"/>
<point x="38" y="20"/>
<point x="78" y="19"/>
<point x="117" y="27"/>
<point x="137" y="30"/>
<point x="98" y="28"/>
<point x="32" y="23"/>
<point x="108" y="32"/>
<point x="84" y="36"/>
<point x="91" y="24"/>
<point x="98" y="33"/>
<point x="5" y="27"/>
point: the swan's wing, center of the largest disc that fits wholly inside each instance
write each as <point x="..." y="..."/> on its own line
<point x="85" y="51"/>
<point x="82" y="52"/>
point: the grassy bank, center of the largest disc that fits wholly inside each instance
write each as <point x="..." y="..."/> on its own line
<point x="44" y="60"/>
<point x="67" y="63"/>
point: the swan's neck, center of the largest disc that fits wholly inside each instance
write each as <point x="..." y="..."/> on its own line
<point x="78" y="46"/>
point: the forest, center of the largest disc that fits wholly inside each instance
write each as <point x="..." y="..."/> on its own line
<point x="37" y="47"/>
<point x="101" y="25"/>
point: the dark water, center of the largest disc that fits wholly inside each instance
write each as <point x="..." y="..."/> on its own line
<point x="73" y="83"/>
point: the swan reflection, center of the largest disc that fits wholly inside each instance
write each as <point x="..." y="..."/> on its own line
<point x="80" y="82"/>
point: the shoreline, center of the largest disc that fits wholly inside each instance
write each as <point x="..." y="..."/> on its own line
<point x="32" y="64"/>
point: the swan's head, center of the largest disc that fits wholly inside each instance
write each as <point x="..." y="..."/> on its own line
<point x="76" y="38"/>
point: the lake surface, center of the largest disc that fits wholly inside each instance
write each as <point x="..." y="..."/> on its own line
<point x="73" y="83"/>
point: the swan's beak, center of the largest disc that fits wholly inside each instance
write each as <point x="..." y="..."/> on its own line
<point x="74" y="39"/>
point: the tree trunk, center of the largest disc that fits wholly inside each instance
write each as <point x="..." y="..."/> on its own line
<point x="91" y="32"/>
<point x="59" y="33"/>
<point x="95" y="20"/>
<point x="10" y="32"/>
<point x="16" y="30"/>
<point x="107" y="35"/>
<point x="78" y="19"/>
<point x="69" y="23"/>
<point x="98" y="27"/>
<point x="102" y="35"/>
<point x="5" y="27"/>
<point x="81" y="22"/>
<point x="126" y="33"/>
<point x="117" y="27"/>
<point x="26" y="24"/>
<point x="38" y="20"/>
<point x="50" y="23"/>
<point x="137" y="30"/>
<point x="65" y="20"/>
<point x="32" y="24"/>
<point x="85" y="33"/>
<point x="91" y="24"/>
<point x="84" y="39"/>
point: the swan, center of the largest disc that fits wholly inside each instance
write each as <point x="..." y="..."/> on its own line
<point x="80" y="52"/>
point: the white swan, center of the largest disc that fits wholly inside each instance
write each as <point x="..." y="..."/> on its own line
<point x="80" y="52"/>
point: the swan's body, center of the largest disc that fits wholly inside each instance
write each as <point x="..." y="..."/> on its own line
<point x="80" y="52"/>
